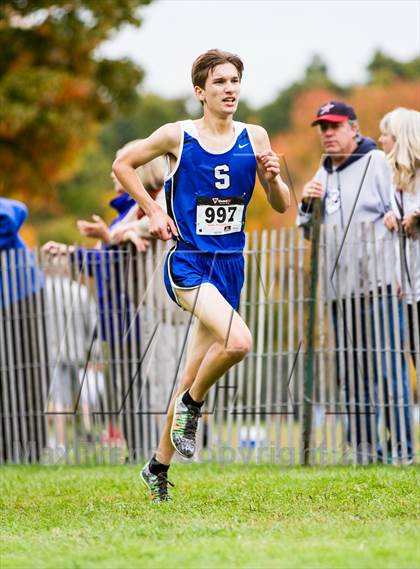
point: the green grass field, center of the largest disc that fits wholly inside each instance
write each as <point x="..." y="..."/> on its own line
<point x="221" y="516"/>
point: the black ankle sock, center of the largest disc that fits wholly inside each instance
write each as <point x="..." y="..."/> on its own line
<point x="188" y="400"/>
<point x="157" y="467"/>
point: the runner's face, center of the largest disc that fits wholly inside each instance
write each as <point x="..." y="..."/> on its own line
<point x="337" y="137"/>
<point x="387" y="141"/>
<point x="221" y="91"/>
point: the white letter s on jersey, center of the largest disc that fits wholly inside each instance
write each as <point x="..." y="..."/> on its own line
<point x="221" y="174"/>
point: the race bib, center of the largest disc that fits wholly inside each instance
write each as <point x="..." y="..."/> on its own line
<point x="219" y="216"/>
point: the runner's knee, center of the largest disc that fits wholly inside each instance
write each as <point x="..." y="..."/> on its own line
<point x="239" y="346"/>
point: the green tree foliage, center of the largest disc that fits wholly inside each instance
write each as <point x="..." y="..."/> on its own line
<point x="275" y="116"/>
<point x="151" y="112"/>
<point x="79" y="195"/>
<point x="383" y="69"/>
<point x="54" y="89"/>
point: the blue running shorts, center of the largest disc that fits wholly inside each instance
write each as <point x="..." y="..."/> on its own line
<point x="188" y="269"/>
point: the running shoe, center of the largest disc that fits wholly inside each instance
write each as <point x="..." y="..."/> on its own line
<point x="184" y="427"/>
<point x="157" y="484"/>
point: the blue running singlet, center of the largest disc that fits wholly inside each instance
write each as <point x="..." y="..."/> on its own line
<point x="207" y="195"/>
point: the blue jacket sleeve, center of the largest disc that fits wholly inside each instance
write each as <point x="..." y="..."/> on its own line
<point x="12" y="216"/>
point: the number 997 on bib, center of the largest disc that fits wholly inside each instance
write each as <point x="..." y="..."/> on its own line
<point x="219" y="216"/>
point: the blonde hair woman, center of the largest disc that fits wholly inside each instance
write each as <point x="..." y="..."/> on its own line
<point x="400" y="140"/>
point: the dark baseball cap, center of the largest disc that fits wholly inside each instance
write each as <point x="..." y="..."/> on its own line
<point x="334" y="111"/>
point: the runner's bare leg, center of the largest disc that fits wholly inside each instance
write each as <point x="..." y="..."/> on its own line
<point x="200" y="342"/>
<point x="221" y="340"/>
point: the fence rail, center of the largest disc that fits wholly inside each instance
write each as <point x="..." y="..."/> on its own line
<point x="91" y="349"/>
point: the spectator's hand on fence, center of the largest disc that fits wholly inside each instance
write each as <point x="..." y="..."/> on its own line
<point x="411" y="224"/>
<point x="56" y="248"/>
<point x="141" y="243"/>
<point x="96" y="228"/>
<point x="127" y="232"/>
<point x="390" y="221"/>
<point x="117" y="234"/>
<point x="162" y="226"/>
<point x="312" y="190"/>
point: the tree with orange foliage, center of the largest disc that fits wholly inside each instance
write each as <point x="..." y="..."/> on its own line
<point x="54" y="89"/>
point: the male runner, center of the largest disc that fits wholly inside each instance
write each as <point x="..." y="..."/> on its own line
<point x="213" y="162"/>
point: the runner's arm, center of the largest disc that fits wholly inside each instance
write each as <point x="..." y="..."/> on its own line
<point x="165" y="140"/>
<point x="269" y="170"/>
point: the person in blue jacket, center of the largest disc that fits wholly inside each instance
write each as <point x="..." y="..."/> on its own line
<point x="110" y="265"/>
<point x="23" y="348"/>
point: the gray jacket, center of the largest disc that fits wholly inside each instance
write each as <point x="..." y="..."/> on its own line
<point x="355" y="193"/>
<point x="403" y="204"/>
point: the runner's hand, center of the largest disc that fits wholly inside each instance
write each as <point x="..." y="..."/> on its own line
<point x="162" y="226"/>
<point x="270" y="164"/>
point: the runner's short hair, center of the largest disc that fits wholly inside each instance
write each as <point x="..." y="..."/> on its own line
<point x="207" y="61"/>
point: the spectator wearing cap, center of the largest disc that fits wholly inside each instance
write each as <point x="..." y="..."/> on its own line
<point x="353" y="184"/>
